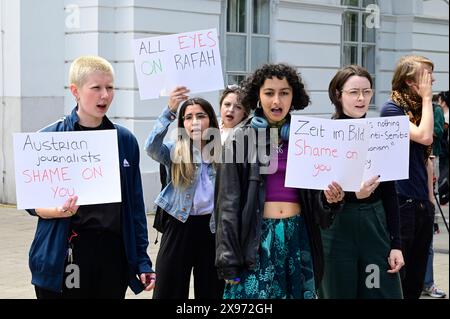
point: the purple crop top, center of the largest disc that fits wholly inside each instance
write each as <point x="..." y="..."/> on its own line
<point x="275" y="190"/>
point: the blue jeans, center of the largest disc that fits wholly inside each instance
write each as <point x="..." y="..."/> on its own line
<point x="429" y="279"/>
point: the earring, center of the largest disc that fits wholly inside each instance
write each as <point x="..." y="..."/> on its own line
<point x="258" y="105"/>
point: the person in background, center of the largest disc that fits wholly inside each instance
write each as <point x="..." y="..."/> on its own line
<point x="367" y="230"/>
<point x="187" y="243"/>
<point x="438" y="133"/>
<point x="429" y="287"/>
<point x="443" y="101"/>
<point x="232" y="113"/>
<point x="412" y="95"/>
<point x="108" y="242"/>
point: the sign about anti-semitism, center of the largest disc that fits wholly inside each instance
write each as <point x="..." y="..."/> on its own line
<point x="190" y="59"/>
<point x="323" y="150"/>
<point x="51" y="166"/>
<point x="388" y="153"/>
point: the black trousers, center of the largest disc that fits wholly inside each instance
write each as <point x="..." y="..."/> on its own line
<point x="187" y="247"/>
<point x="416" y="232"/>
<point x="103" y="272"/>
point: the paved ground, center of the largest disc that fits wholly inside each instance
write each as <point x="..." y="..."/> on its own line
<point x="17" y="231"/>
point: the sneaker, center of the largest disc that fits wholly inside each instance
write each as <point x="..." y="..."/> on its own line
<point x="434" y="292"/>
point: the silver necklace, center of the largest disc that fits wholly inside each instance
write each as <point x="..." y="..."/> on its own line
<point x="279" y="148"/>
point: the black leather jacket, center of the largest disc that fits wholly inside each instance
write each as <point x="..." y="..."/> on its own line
<point x="239" y="197"/>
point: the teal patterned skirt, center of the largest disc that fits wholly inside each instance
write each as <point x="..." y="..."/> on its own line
<point x="284" y="268"/>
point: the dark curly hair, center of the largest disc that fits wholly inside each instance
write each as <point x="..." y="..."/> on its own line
<point x="254" y="82"/>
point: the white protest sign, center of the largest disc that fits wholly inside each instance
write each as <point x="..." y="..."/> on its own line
<point x="323" y="150"/>
<point x="51" y="166"/>
<point x="190" y="59"/>
<point x="388" y="153"/>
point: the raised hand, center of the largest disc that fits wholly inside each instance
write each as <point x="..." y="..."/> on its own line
<point x="179" y="94"/>
<point x="423" y="87"/>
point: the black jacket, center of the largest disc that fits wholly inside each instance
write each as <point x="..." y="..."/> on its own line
<point x="240" y="196"/>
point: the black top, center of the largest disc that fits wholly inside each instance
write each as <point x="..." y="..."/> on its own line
<point x="105" y="217"/>
<point x="387" y="193"/>
<point x="416" y="187"/>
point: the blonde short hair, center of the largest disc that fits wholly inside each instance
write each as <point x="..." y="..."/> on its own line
<point x="82" y="66"/>
<point x="407" y="68"/>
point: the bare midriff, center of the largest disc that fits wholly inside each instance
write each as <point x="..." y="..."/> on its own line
<point x="278" y="210"/>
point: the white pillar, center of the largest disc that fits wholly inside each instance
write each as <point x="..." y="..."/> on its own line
<point x="31" y="75"/>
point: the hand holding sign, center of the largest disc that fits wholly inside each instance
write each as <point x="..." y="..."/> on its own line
<point x="334" y="193"/>
<point x="68" y="209"/>
<point x="368" y="187"/>
<point x="70" y="206"/>
<point x="179" y="94"/>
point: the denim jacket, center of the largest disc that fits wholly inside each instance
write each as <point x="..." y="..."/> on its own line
<point x="174" y="200"/>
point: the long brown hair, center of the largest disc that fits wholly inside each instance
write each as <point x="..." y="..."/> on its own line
<point x="406" y="70"/>
<point x="183" y="169"/>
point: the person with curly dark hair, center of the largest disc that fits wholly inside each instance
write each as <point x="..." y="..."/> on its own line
<point x="268" y="243"/>
<point x="251" y="86"/>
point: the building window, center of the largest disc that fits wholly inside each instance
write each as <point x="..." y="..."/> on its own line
<point x="247" y="37"/>
<point x="358" y="38"/>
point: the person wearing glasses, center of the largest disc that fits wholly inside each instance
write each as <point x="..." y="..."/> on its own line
<point x="365" y="237"/>
<point x="412" y="96"/>
<point x="188" y="242"/>
<point x="232" y="113"/>
<point x="268" y="238"/>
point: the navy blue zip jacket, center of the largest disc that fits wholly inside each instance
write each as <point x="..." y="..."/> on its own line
<point x="48" y="250"/>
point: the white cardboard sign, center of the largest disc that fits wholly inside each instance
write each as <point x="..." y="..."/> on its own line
<point x="346" y="151"/>
<point x="51" y="166"/>
<point x="190" y="59"/>
<point x="388" y="153"/>
<point x="323" y="150"/>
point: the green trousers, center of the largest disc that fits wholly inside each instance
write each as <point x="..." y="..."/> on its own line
<point x="356" y="249"/>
